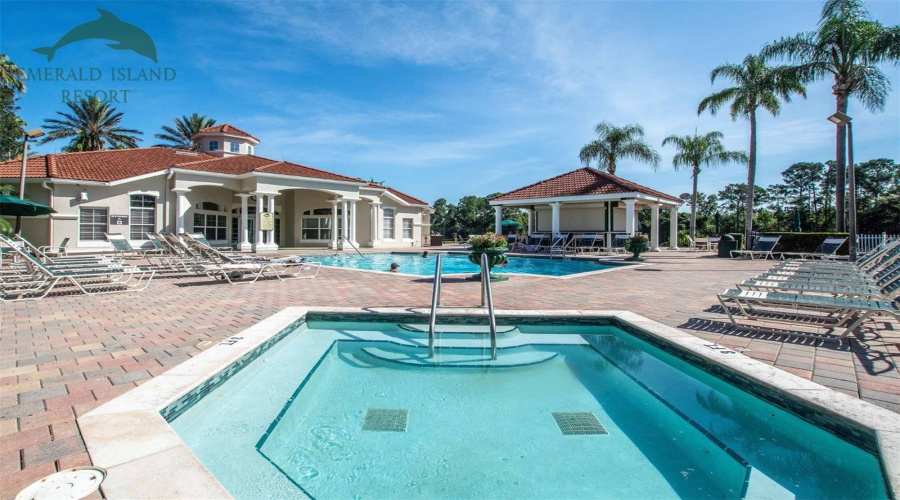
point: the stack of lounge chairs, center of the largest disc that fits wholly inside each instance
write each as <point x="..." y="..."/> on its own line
<point x="837" y="295"/>
<point x="31" y="274"/>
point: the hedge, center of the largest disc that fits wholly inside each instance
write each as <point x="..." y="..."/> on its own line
<point x="798" y="242"/>
<point x="806" y="242"/>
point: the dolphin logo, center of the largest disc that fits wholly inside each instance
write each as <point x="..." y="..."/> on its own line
<point x="109" y="27"/>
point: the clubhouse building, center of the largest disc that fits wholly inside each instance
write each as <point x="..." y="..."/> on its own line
<point x="224" y="191"/>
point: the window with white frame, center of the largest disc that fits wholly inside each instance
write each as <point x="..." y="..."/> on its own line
<point x="249" y="150"/>
<point x="235" y="147"/>
<point x="213" y="145"/>
<point x="209" y="220"/>
<point x="316" y="224"/>
<point x="387" y="224"/>
<point x="93" y="223"/>
<point x="408" y="228"/>
<point x="143" y="216"/>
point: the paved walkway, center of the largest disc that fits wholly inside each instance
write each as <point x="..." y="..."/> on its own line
<point x="65" y="355"/>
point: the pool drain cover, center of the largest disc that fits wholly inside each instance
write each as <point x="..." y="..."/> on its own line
<point x="385" y="419"/>
<point x="75" y="483"/>
<point x="578" y="423"/>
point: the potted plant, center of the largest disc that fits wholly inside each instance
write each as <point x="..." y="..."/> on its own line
<point x="637" y="245"/>
<point x="495" y="246"/>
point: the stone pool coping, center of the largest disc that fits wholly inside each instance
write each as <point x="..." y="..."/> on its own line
<point x="145" y="458"/>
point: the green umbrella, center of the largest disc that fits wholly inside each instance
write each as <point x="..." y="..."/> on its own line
<point x="509" y="222"/>
<point x="11" y="205"/>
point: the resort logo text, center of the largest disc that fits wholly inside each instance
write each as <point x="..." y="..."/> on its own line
<point x="125" y="37"/>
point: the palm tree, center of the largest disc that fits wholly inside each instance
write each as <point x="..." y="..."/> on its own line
<point x="756" y="85"/>
<point x="696" y="151"/>
<point x="185" y="128"/>
<point x="11" y="76"/>
<point x="92" y="125"/>
<point x="615" y="142"/>
<point x="847" y="45"/>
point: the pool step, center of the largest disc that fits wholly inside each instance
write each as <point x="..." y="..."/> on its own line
<point x="458" y="329"/>
<point x="460" y="357"/>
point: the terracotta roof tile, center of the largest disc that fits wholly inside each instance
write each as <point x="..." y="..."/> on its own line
<point x="242" y="164"/>
<point x="585" y="181"/>
<point x="227" y="129"/>
<point x="102" y="166"/>
<point x="403" y="196"/>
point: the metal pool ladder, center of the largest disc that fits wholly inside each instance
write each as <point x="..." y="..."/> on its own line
<point x="487" y="300"/>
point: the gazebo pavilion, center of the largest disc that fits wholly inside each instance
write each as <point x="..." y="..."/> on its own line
<point x="590" y="201"/>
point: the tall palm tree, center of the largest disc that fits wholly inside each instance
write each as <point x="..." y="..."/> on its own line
<point x="92" y="125"/>
<point x="847" y="46"/>
<point x="11" y="76"/>
<point x="756" y="85"/>
<point x="696" y="151"/>
<point x="185" y="128"/>
<point x="615" y="142"/>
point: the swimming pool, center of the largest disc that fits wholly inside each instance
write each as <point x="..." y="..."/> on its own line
<point x="339" y="408"/>
<point x="458" y="264"/>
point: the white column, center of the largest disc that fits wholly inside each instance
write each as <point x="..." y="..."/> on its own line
<point x="243" y="234"/>
<point x="376" y="229"/>
<point x="498" y="219"/>
<point x="554" y="224"/>
<point x="334" y="224"/>
<point x="272" y="244"/>
<point x="629" y="216"/>
<point x="181" y="207"/>
<point x="258" y="239"/>
<point x="673" y="228"/>
<point x="353" y="223"/>
<point x="343" y="219"/>
<point x="530" y="221"/>
<point x="654" y="228"/>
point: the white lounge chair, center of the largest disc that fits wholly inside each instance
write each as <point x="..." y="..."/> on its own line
<point x="762" y="248"/>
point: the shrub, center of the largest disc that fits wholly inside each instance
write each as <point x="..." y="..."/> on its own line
<point x="806" y="242"/>
<point x="486" y="241"/>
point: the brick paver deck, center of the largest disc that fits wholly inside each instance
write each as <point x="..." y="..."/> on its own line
<point x="63" y="356"/>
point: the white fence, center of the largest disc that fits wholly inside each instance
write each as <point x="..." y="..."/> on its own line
<point x="868" y="242"/>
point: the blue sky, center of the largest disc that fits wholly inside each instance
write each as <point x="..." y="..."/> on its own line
<point x="450" y="99"/>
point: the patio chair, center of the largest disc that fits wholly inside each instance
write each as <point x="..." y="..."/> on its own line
<point x="617" y="245"/>
<point x="826" y="250"/>
<point x="74" y="261"/>
<point x="586" y="243"/>
<point x="762" y="248"/>
<point x="88" y="280"/>
<point x="713" y="244"/>
<point x="536" y="241"/>
<point x="233" y="273"/>
<point x="834" y="312"/>
<point x="885" y="286"/>
<point x="60" y="251"/>
<point x="124" y="249"/>
<point x="202" y="239"/>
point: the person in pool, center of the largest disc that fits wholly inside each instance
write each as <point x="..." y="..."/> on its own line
<point x="395" y="267"/>
<point x="425" y="254"/>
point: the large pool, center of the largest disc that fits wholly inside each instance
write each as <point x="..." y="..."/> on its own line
<point x="357" y="410"/>
<point x="458" y="264"/>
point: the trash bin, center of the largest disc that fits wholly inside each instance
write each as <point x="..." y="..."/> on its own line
<point x="437" y="240"/>
<point x="726" y="245"/>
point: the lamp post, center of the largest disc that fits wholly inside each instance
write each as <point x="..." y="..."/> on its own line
<point x="32" y="134"/>
<point x="842" y="119"/>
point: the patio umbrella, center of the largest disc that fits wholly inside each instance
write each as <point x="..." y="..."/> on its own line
<point x="509" y="222"/>
<point x="797" y="227"/>
<point x="718" y="224"/>
<point x="11" y="205"/>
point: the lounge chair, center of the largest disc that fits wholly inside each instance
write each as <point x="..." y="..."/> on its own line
<point x="282" y="270"/>
<point x="886" y="285"/>
<point x="826" y="250"/>
<point x="41" y="279"/>
<point x="124" y="249"/>
<point x="202" y="239"/>
<point x="536" y="241"/>
<point x="762" y="248"/>
<point x="586" y="243"/>
<point x="60" y="251"/>
<point x="618" y="243"/>
<point x="74" y="261"/>
<point x="834" y="312"/>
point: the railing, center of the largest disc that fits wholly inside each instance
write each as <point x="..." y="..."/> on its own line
<point x="346" y="241"/>
<point x="487" y="300"/>
<point x="868" y="242"/>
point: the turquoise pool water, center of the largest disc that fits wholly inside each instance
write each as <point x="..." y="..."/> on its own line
<point x="276" y="430"/>
<point x="457" y="264"/>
